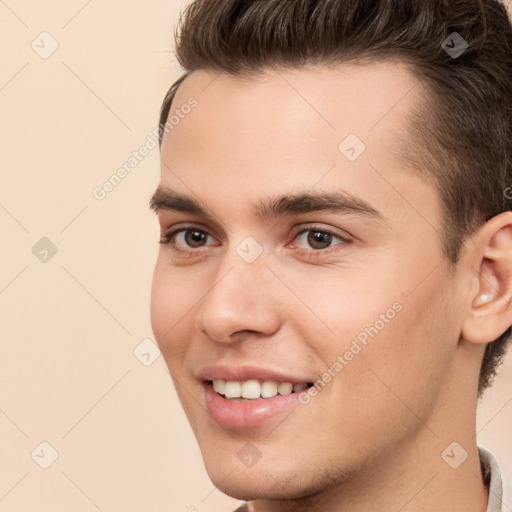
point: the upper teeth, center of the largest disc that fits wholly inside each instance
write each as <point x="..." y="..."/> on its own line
<point x="252" y="389"/>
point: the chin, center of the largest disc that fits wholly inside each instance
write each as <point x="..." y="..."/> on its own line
<point x="248" y="486"/>
<point x="265" y="480"/>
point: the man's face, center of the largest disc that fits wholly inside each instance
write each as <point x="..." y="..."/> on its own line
<point x="246" y="291"/>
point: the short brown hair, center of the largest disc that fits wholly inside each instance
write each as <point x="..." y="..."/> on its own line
<point x="461" y="134"/>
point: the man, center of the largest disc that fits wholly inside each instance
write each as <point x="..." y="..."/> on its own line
<point x="333" y="289"/>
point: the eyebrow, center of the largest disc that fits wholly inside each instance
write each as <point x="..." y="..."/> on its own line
<point x="165" y="199"/>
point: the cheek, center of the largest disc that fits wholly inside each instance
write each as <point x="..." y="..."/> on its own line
<point x="377" y="396"/>
<point x="170" y="303"/>
<point x="388" y="342"/>
<point x="403" y="368"/>
<point x="344" y="305"/>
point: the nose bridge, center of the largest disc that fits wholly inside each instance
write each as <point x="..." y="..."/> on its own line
<point x="239" y="298"/>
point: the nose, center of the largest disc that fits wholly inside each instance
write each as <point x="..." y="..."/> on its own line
<point x="241" y="299"/>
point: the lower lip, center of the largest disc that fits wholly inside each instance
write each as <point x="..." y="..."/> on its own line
<point x="231" y="414"/>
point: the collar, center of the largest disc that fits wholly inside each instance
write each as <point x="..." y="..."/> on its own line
<point x="492" y="478"/>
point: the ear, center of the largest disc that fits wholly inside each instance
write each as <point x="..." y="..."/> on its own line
<point x="490" y="313"/>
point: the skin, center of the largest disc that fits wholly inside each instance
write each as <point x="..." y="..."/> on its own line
<point x="373" y="438"/>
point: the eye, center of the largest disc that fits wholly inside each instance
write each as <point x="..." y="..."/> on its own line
<point x="186" y="239"/>
<point x="317" y="239"/>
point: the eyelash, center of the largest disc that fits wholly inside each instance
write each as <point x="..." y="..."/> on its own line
<point x="168" y="237"/>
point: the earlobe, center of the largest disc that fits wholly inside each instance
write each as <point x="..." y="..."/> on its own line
<point x="490" y="312"/>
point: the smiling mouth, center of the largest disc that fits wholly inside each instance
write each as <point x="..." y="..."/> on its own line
<point x="255" y="389"/>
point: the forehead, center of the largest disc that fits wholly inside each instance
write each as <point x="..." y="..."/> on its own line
<point x="284" y="129"/>
<point x="316" y="100"/>
<point x="289" y="113"/>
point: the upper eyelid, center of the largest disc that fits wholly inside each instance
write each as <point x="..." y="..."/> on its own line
<point x="344" y="240"/>
<point x="344" y="235"/>
<point x="296" y="231"/>
<point x="172" y="232"/>
<point x="176" y="229"/>
<point x="321" y="229"/>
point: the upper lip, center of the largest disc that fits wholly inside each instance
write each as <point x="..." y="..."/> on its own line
<point x="247" y="372"/>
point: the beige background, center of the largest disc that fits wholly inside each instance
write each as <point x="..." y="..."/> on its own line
<point x="70" y="324"/>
